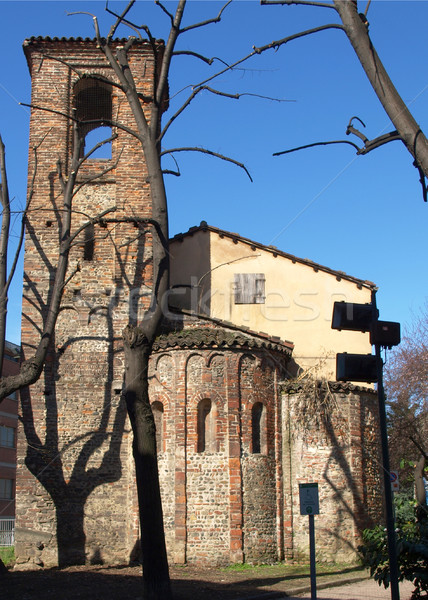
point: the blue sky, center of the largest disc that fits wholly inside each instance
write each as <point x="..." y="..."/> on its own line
<point x="362" y="215"/>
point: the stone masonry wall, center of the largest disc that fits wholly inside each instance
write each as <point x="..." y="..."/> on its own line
<point x="342" y="455"/>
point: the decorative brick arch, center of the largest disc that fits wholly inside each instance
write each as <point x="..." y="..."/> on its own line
<point x="164" y="371"/>
<point x="160" y="408"/>
<point x="206" y="422"/>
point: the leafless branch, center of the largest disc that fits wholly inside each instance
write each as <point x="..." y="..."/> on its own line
<point x="169" y="49"/>
<point x="208" y="61"/>
<point x="208" y="21"/>
<point x="175" y="173"/>
<point x="106" y="122"/>
<point x="62" y="61"/>
<point x="381" y="140"/>
<point x="211" y="153"/>
<point x="98" y="175"/>
<point x="98" y="219"/>
<point x="120" y="19"/>
<point x="98" y="145"/>
<point x="276" y="44"/>
<point x="369" y="145"/>
<point x="165" y="10"/>
<point x="298" y="2"/>
<point x="419" y="447"/>
<point x="273" y="45"/>
<point x="316" y="144"/>
<point x="197" y="90"/>
<point x="50" y="110"/>
<point x="72" y="274"/>
<point x="169" y="172"/>
<point x="136" y="28"/>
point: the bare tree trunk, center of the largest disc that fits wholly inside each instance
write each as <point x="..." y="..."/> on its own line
<point x="156" y="582"/>
<point x="421" y="508"/>
<point x="4" y="242"/>
<point x="138" y="342"/>
<point x="396" y="109"/>
<point x="31" y="369"/>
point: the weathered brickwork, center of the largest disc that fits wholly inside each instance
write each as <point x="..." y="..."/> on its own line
<point x="224" y="489"/>
<point x="342" y="456"/>
<point x="76" y="440"/>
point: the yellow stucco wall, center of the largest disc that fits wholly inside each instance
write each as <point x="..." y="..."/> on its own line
<point x="298" y="298"/>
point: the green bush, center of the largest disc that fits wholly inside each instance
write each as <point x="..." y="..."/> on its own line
<point x="412" y="549"/>
<point x="7" y="555"/>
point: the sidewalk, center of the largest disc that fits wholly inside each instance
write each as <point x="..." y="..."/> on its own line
<point x="361" y="590"/>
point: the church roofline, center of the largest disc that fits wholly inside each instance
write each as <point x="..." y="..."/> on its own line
<point x="35" y="43"/>
<point x="290" y="386"/>
<point x="275" y="251"/>
<point x="240" y="336"/>
<point x="39" y="39"/>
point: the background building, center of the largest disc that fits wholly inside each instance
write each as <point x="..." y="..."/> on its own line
<point x="8" y="426"/>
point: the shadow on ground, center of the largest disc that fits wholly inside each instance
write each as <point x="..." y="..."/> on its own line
<point x="124" y="583"/>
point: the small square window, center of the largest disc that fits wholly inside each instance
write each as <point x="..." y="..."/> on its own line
<point x="249" y="288"/>
<point x="7" y="436"/>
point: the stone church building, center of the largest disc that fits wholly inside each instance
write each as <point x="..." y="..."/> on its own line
<point x="241" y="377"/>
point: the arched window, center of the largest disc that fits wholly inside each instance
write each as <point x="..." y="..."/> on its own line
<point x="258" y="429"/>
<point x="157" y="409"/>
<point x="93" y="104"/>
<point x="206" y="426"/>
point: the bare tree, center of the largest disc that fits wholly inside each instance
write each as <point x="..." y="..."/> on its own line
<point x="406" y="381"/>
<point x="356" y="27"/>
<point x="31" y="369"/>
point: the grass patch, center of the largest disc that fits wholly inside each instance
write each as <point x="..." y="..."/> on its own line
<point x="290" y="569"/>
<point x="7" y="554"/>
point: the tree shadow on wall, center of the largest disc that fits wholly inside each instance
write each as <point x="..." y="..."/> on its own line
<point x="358" y="507"/>
<point x="70" y="483"/>
<point x="70" y="464"/>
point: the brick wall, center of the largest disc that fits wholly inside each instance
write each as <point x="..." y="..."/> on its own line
<point x="74" y="452"/>
<point x="9" y="420"/>
<point x="221" y="499"/>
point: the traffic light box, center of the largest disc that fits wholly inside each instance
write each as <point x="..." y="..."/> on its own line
<point x="362" y="317"/>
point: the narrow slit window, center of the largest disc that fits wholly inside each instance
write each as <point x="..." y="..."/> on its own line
<point x="89" y="243"/>
<point x="157" y="409"/>
<point x="258" y="433"/>
<point x="206" y="425"/>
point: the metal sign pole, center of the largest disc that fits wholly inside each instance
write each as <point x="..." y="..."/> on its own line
<point x="312" y="557"/>
<point x="309" y="505"/>
<point x="390" y="525"/>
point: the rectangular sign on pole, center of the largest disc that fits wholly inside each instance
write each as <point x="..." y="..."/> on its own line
<point x="393" y="476"/>
<point x="309" y="501"/>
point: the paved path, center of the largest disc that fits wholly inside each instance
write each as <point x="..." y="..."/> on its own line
<point x="362" y="590"/>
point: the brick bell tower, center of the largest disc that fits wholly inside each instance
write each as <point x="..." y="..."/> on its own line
<point x="76" y="500"/>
